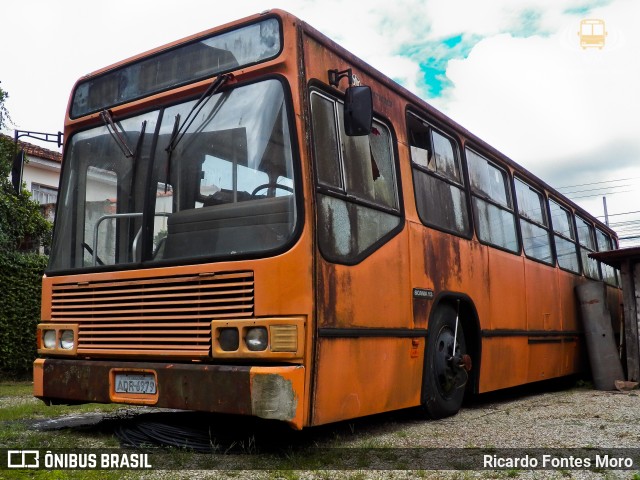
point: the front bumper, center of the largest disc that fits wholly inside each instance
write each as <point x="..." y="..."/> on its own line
<point x="268" y="392"/>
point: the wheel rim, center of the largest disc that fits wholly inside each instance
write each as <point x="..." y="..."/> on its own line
<point x="445" y="371"/>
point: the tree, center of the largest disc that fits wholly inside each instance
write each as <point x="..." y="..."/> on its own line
<point x="22" y="225"/>
<point x="4" y="114"/>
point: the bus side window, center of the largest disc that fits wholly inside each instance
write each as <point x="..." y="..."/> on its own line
<point x="587" y="241"/>
<point x="440" y="196"/>
<point x="328" y="164"/>
<point x="605" y="244"/>
<point x="534" y="223"/>
<point x="492" y="204"/>
<point x="358" y="203"/>
<point x="565" y="238"/>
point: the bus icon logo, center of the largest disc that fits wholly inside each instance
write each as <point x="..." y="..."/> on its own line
<point x="592" y="33"/>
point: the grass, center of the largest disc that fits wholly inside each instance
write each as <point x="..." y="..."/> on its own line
<point x="15" y="389"/>
<point x="19" y="410"/>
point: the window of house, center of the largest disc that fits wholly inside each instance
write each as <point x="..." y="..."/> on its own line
<point x="43" y="195"/>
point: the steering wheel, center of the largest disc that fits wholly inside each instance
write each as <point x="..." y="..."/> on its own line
<point x="270" y="185"/>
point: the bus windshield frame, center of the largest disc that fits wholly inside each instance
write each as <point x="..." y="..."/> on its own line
<point x="228" y="190"/>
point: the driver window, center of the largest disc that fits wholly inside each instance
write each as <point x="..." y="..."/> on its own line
<point x="357" y="195"/>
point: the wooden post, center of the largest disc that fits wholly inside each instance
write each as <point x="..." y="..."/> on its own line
<point x="630" y="272"/>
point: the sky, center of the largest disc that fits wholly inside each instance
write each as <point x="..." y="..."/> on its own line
<point x="510" y="71"/>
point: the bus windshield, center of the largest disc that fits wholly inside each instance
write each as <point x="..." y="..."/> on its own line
<point x="226" y="189"/>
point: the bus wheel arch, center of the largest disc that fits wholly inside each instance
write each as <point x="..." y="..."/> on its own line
<point x="448" y="378"/>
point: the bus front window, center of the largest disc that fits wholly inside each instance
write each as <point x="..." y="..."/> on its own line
<point x="226" y="190"/>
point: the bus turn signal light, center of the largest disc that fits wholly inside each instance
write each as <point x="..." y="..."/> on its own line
<point x="284" y="338"/>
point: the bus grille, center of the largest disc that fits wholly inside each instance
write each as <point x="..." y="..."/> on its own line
<point x="162" y="316"/>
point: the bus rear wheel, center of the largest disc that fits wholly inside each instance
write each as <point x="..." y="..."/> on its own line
<point x="445" y="375"/>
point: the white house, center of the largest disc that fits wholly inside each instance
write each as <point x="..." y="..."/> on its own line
<point x="41" y="174"/>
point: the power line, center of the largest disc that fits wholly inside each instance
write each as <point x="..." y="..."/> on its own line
<point x="598" y="189"/>
<point x="598" y="183"/>
<point x="599" y="194"/>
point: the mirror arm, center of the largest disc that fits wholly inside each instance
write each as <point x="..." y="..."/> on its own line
<point x="335" y="76"/>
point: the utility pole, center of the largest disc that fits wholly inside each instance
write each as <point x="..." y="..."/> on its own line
<point x="606" y="213"/>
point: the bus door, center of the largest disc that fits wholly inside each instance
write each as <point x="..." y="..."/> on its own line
<point x="364" y="362"/>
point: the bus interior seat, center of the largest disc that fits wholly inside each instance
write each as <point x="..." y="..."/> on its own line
<point x="232" y="228"/>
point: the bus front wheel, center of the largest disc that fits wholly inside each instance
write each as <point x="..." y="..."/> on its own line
<point x="445" y="375"/>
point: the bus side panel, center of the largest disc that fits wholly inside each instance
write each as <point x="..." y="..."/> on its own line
<point x="543" y="314"/>
<point x="494" y="280"/>
<point x="575" y="354"/>
<point x="372" y="294"/>
<point x="569" y="305"/>
<point x="507" y="305"/>
<point x="366" y="360"/>
<point x="505" y="355"/>
<point x="446" y="263"/>
<point x="364" y="376"/>
<point x="505" y="362"/>
<point x="543" y="294"/>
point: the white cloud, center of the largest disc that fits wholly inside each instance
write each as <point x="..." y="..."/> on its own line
<point x="540" y="99"/>
<point x="544" y="101"/>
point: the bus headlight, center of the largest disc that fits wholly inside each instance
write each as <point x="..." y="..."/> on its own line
<point x="49" y="338"/>
<point x="229" y="339"/>
<point x="256" y="339"/>
<point x="66" y="339"/>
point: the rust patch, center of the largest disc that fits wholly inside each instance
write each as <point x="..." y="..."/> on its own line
<point x="218" y="388"/>
<point x="334" y="298"/>
<point x="421" y="312"/>
<point x="442" y="260"/>
<point x="273" y="397"/>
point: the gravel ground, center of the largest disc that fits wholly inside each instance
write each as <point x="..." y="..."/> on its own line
<point x="527" y="418"/>
<point x="564" y="419"/>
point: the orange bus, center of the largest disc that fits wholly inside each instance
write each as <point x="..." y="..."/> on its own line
<point x="254" y="221"/>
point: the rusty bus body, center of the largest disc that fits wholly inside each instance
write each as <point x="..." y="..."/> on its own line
<point x="355" y="290"/>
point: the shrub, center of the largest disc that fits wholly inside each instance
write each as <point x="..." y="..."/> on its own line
<point x="20" y="286"/>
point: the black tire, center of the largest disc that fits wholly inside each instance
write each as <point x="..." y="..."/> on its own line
<point x="444" y="380"/>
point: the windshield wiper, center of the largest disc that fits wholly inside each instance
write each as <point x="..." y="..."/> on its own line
<point x="178" y="133"/>
<point x="179" y="129"/>
<point x="112" y="128"/>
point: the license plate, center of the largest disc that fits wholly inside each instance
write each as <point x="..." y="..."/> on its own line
<point x="135" y="383"/>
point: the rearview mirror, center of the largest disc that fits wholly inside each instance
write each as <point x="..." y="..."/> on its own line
<point x="358" y="111"/>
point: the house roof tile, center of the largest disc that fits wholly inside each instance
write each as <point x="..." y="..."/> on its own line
<point x="36" y="151"/>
